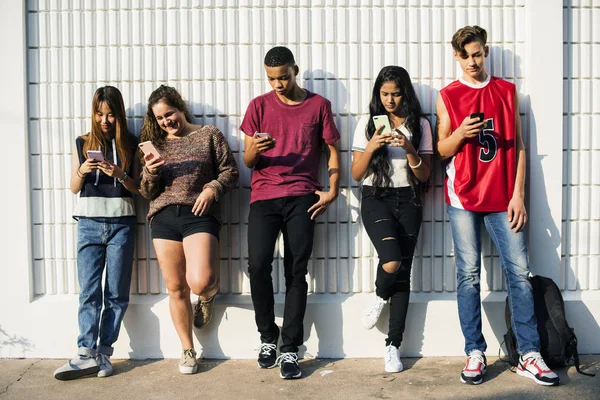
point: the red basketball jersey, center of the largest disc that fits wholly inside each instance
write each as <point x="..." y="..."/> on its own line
<point x="481" y="175"/>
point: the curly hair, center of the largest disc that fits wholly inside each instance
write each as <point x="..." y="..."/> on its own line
<point x="410" y="109"/>
<point x="150" y="129"/>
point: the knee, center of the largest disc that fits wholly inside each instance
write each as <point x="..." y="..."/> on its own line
<point x="203" y="283"/>
<point x="391" y="266"/>
<point x="178" y="291"/>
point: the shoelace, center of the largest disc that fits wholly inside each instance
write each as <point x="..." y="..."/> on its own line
<point x="266" y="348"/>
<point x="474" y="361"/>
<point x="189" y="353"/>
<point x="287" y="358"/>
<point x="539" y="361"/>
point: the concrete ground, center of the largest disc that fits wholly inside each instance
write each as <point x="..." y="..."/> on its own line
<point x="431" y="377"/>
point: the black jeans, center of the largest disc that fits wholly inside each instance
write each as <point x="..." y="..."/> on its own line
<point x="267" y="218"/>
<point x="392" y="221"/>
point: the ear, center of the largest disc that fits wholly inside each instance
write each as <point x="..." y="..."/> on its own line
<point x="487" y="51"/>
<point x="455" y="55"/>
<point x="296" y="70"/>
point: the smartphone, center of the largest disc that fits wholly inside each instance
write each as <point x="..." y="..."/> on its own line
<point x="262" y="135"/>
<point x="478" y="115"/>
<point x="149" y="149"/>
<point x="379" y="120"/>
<point x="95" y="155"/>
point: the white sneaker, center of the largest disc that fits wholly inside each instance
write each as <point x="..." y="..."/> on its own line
<point x="533" y="366"/>
<point x="474" y="369"/>
<point x="83" y="364"/>
<point x="372" y="313"/>
<point x="106" y="368"/>
<point x="392" y="359"/>
<point x="187" y="362"/>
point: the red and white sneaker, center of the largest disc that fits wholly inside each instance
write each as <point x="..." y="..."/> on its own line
<point x="475" y="368"/>
<point x="532" y="366"/>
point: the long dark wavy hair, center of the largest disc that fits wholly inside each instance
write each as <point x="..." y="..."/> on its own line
<point x="151" y="130"/>
<point x="96" y="139"/>
<point x="410" y="109"/>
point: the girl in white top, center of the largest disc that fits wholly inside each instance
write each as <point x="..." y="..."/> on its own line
<point x="392" y="167"/>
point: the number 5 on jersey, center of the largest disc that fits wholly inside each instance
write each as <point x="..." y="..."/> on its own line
<point x="490" y="146"/>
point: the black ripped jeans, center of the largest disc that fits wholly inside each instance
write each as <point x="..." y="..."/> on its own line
<point x="392" y="221"/>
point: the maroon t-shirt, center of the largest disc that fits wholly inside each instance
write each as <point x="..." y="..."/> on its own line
<point x="290" y="168"/>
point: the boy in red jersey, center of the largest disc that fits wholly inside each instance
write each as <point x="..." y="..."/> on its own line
<point x="285" y="129"/>
<point x="485" y="183"/>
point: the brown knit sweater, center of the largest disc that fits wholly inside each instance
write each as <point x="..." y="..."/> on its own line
<point x="196" y="161"/>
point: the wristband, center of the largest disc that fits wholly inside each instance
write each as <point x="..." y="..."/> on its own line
<point x="416" y="166"/>
<point x="123" y="179"/>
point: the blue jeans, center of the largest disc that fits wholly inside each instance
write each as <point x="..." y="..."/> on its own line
<point x="103" y="242"/>
<point x="466" y="232"/>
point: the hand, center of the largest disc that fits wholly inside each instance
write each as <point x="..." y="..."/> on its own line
<point x="88" y="166"/>
<point x="111" y="169"/>
<point x="204" y="201"/>
<point x="517" y="215"/>
<point x="153" y="164"/>
<point x="378" y="140"/>
<point x="262" y="144"/>
<point x="400" y="140"/>
<point x="325" y="199"/>
<point x="470" y="128"/>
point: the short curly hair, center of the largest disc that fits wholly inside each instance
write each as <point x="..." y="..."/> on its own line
<point x="466" y="35"/>
<point x="278" y="56"/>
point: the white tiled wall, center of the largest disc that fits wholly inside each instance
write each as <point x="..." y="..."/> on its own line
<point x="212" y="51"/>
<point x="581" y="146"/>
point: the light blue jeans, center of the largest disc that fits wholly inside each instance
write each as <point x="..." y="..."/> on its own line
<point x="103" y="242"/>
<point x="466" y="232"/>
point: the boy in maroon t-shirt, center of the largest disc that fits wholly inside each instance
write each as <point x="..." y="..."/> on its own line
<point x="285" y="130"/>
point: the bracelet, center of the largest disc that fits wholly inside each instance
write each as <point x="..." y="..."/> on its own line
<point x="123" y="179"/>
<point x="79" y="174"/>
<point x="416" y="166"/>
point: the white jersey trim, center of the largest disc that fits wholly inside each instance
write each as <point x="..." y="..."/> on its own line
<point x="451" y="172"/>
<point x="476" y="86"/>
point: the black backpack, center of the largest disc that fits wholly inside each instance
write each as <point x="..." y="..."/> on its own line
<point x="558" y="343"/>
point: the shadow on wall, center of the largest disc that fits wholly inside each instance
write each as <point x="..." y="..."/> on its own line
<point x="14" y="345"/>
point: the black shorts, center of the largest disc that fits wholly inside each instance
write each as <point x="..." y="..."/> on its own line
<point x="176" y="222"/>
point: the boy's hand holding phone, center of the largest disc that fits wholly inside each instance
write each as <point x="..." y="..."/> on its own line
<point x="471" y="126"/>
<point x="263" y="142"/>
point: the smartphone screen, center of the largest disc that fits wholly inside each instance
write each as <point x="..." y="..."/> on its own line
<point x="478" y="115"/>
<point x="95" y="155"/>
<point x="379" y="120"/>
<point x="262" y="135"/>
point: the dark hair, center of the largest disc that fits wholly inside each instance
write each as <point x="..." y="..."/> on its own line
<point x="410" y="109"/>
<point x="97" y="139"/>
<point x="170" y="96"/>
<point x="466" y="35"/>
<point x="278" y="56"/>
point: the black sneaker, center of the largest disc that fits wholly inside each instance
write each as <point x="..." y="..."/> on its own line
<point x="288" y="366"/>
<point x="267" y="355"/>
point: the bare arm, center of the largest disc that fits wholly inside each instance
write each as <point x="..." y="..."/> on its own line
<point x="79" y="171"/>
<point x="517" y="214"/>
<point x="447" y="142"/>
<point x="326" y="198"/>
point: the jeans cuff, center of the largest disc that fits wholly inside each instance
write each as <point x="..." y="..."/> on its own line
<point x="533" y="350"/>
<point x="84" y="351"/>
<point x="106" y="350"/>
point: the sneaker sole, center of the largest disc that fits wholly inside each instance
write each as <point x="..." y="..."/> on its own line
<point x="394" y="371"/>
<point x="76" y="373"/>
<point x="188" y="370"/>
<point x="291" y="377"/>
<point x="469" y="382"/>
<point x="104" y="373"/>
<point x="529" y="375"/>
<point x="266" y="367"/>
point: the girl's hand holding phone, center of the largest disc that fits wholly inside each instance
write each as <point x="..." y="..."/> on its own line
<point x="400" y="140"/>
<point x="153" y="164"/>
<point x="89" y="165"/>
<point x="112" y="170"/>
<point x="378" y="139"/>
